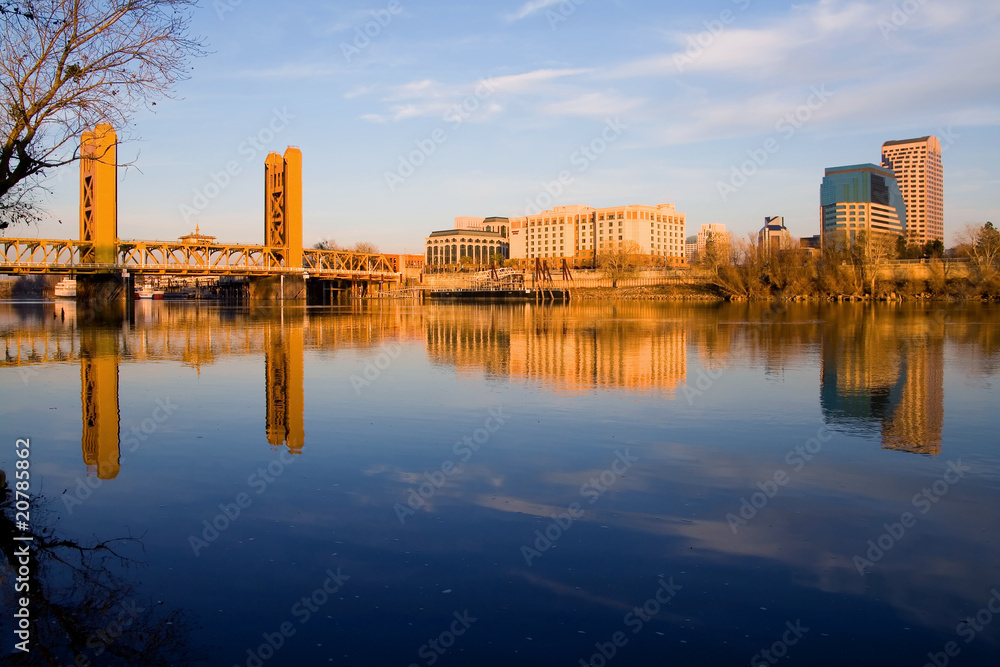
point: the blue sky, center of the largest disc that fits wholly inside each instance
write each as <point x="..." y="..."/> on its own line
<point x="478" y="108"/>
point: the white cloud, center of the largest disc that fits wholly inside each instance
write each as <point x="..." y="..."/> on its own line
<point x="792" y="41"/>
<point x="292" y="71"/>
<point x="531" y="7"/>
<point x="593" y="105"/>
<point x="522" y="83"/>
<point x="428" y="97"/>
<point x="360" y="91"/>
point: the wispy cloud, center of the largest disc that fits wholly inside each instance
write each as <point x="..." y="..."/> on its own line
<point x="593" y="105"/>
<point x="360" y="91"/>
<point x="428" y="97"/>
<point x="531" y="7"/>
<point x="520" y="83"/>
<point x="805" y="35"/>
<point x="292" y="71"/>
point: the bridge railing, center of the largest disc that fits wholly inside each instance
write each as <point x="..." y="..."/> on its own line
<point x="35" y="255"/>
<point x="188" y="258"/>
<point x="64" y="256"/>
<point x="347" y="262"/>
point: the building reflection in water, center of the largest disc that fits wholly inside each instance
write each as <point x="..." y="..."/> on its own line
<point x="625" y="347"/>
<point x="882" y="370"/>
<point x="886" y="375"/>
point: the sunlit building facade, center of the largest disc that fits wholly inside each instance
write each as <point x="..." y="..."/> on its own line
<point x="465" y="246"/>
<point x="916" y="164"/>
<point x="773" y="236"/>
<point x="578" y="233"/>
<point x="860" y="198"/>
<point x="712" y="233"/>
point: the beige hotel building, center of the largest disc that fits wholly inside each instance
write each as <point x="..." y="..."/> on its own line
<point x="917" y="166"/>
<point x="576" y="233"/>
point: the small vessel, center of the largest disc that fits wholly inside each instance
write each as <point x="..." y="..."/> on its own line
<point x="66" y="288"/>
<point x="150" y="292"/>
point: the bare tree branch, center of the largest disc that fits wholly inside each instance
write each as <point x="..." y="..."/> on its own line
<point x="619" y="260"/>
<point x="66" y="65"/>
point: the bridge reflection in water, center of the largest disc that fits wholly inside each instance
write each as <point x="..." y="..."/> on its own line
<point x="881" y="372"/>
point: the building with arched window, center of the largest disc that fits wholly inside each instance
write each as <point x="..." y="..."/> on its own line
<point x="476" y="247"/>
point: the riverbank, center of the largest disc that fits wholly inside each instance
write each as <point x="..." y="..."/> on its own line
<point x="28" y="287"/>
<point x="665" y="292"/>
<point x="953" y="291"/>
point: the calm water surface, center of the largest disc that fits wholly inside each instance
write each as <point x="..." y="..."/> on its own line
<point x="632" y="483"/>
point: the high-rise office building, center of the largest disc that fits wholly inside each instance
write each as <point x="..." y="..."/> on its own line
<point x="860" y="198"/>
<point x="917" y="166"/>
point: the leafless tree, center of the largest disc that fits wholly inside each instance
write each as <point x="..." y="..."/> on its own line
<point x="619" y="260"/>
<point x="872" y="252"/>
<point x="982" y="245"/>
<point x="366" y="247"/>
<point x="739" y="268"/>
<point x="66" y="65"/>
<point x="326" y="244"/>
<point x="85" y="597"/>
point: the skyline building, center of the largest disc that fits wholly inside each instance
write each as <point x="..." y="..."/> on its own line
<point x="860" y="198"/>
<point x="478" y="239"/>
<point x="478" y="245"/>
<point x="577" y="233"/>
<point x="714" y="231"/>
<point x="771" y="236"/>
<point x="916" y="164"/>
<point x="691" y="248"/>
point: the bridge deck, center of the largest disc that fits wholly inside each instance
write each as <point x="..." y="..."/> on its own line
<point x="52" y="256"/>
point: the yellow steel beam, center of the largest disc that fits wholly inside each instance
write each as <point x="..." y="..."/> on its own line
<point x="174" y="258"/>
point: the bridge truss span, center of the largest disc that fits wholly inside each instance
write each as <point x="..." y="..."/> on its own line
<point x="50" y="256"/>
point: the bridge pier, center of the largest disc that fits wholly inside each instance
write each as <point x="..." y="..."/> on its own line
<point x="324" y="292"/>
<point x="277" y="288"/>
<point x="106" y="296"/>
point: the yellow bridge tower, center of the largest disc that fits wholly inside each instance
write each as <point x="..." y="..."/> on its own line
<point x="99" y="194"/>
<point x="283" y="206"/>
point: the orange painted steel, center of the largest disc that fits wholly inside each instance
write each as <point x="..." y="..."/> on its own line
<point x="53" y="256"/>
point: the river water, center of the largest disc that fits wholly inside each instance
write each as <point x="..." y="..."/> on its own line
<point x="627" y="483"/>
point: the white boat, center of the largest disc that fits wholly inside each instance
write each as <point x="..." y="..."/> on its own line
<point x="66" y="289"/>
<point x="149" y="292"/>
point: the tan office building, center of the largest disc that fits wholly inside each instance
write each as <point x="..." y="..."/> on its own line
<point x="576" y="233"/>
<point x="917" y="166"/>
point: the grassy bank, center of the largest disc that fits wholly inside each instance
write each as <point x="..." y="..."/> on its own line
<point x="665" y="292"/>
<point x="957" y="289"/>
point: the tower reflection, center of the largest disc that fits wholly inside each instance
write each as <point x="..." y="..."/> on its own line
<point x="285" y="393"/>
<point x="99" y="360"/>
<point x="885" y="375"/>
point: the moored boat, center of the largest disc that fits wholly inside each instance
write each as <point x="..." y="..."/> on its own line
<point x="150" y="292"/>
<point x="66" y="288"/>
